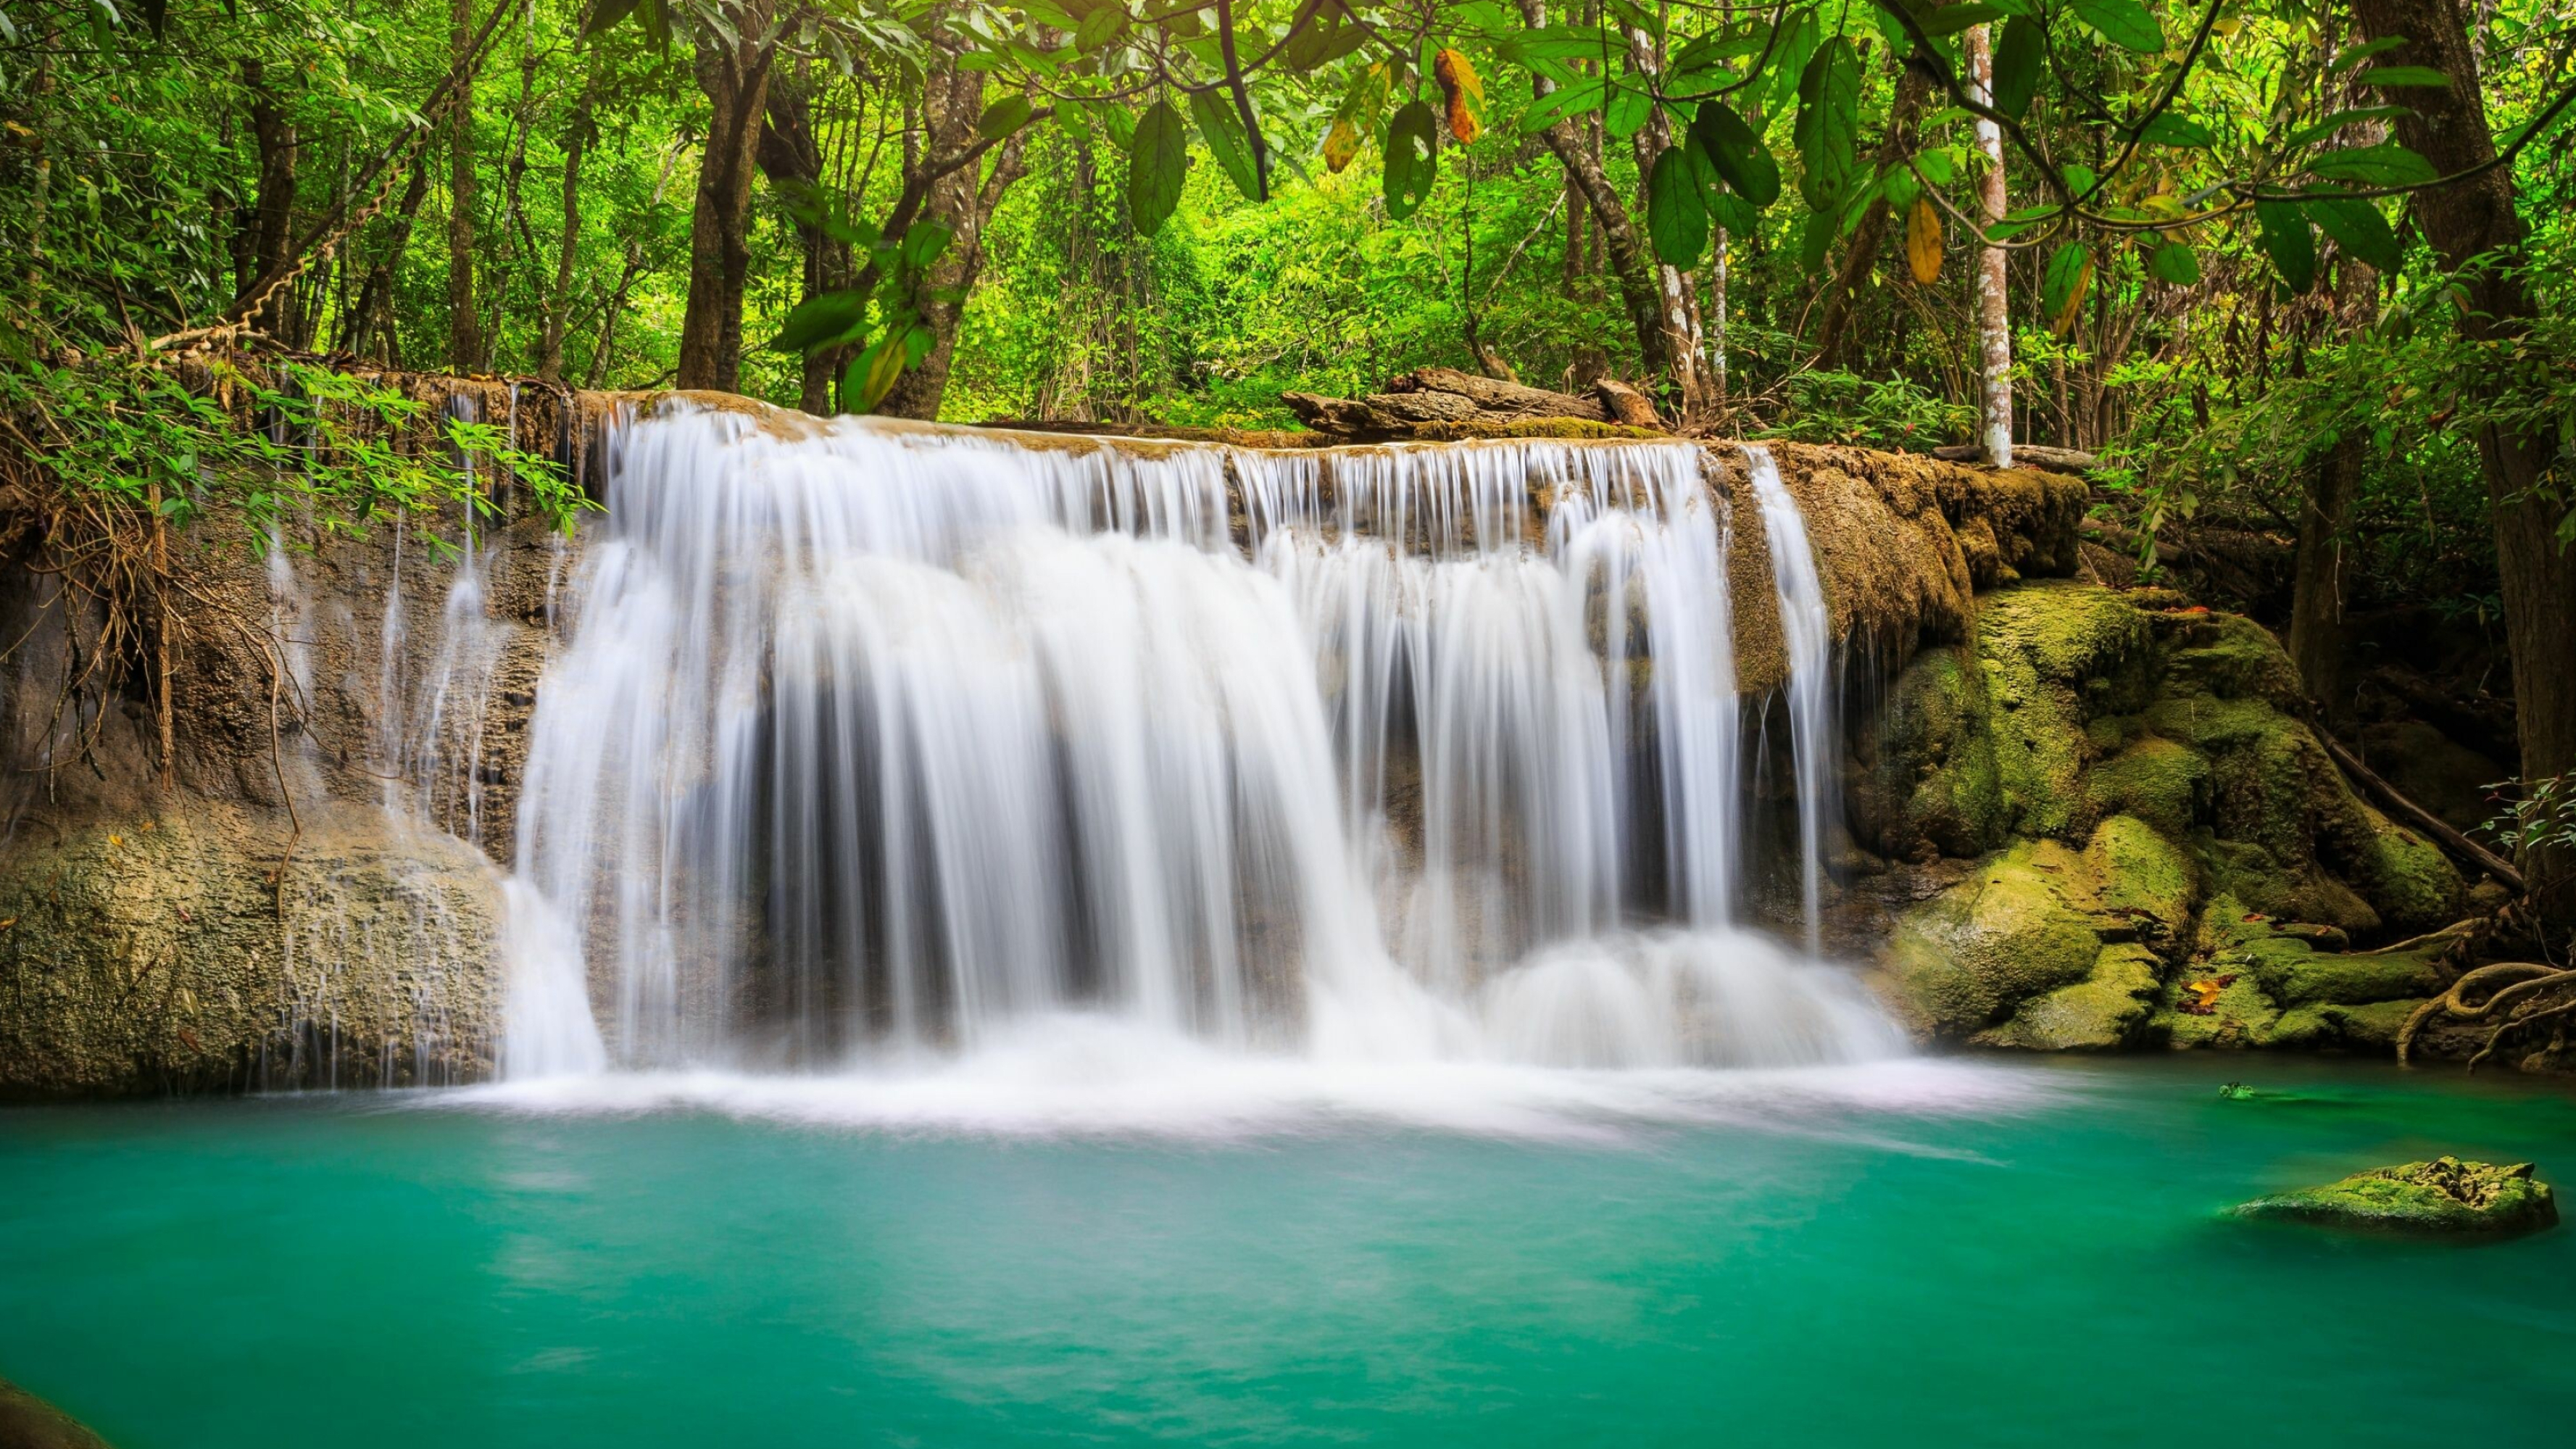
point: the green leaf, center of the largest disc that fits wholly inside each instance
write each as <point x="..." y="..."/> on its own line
<point x="606" y="14"/>
<point x="1157" y="164"/>
<point x="1223" y="132"/>
<point x="2125" y="23"/>
<point x="1003" y="117"/>
<point x="2385" y="76"/>
<point x="1737" y="218"/>
<point x="2175" y="264"/>
<point x="1676" y="217"/>
<point x="1572" y="100"/>
<point x="1951" y="19"/>
<point x="2352" y="55"/>
<point x="826" y="319"/>
<point x="1737" y="152"/>
<point x="2310" y="135"/>
<point x="1625" y="113"/>
<point x="872" y="374"/>
<point x="2287" y="242"/>
<point x="2358" y="228"/>
<point x="2020" y="57"/>
<point x="1099" y="28"/>
<point x="2386" y="164"/>
<point x="2168" y="129"/>
<point x="1706" y="183"/>
<point x="1828" y="125"/>
<point x="922" y="243"/>
<point x="1412" y="163"/>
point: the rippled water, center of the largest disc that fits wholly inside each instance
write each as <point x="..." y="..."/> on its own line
<point x="1087" y="1238"/>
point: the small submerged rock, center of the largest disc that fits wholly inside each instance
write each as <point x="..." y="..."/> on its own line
<point x="28" y="1422"/>
<point x="2443" y="1196"/>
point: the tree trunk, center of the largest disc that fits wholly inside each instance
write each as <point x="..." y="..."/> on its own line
<point x="1632" y="265"/>
<point x="273" y="219"/>
<point x="550" y="342"/>
<point x="790" y="155"/>
<point x="1833" y="329"/>
<point x="2471" y="218"/>
<point x="464" y="330"/>
<point x="964" y="201"/>
<point x="1994" y="322"/>
<point x="735" y="77"/>
<point x="371" y="323"/>
<point x="1679" y="292"/>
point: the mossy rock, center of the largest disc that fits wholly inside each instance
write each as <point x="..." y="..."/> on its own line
<point x="2229" y="656"/>
<point x="2141" y="875"/>
<point x="2371" y="1028"/>
<point x="2237" y="1015"/>
<point x="1928" y="782"/>
<point x="2162" y="783"/>
<point x="1971" y="955"/>
<point x="2443" y="1197"/>
<point x="2056" y="655"/>
<point x="2106" y="1011"/>
<point x="28" y="1422"/>
<point x="2302" y="893"/>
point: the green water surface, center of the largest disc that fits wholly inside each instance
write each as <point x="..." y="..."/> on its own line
<point x="388" y="1272"/>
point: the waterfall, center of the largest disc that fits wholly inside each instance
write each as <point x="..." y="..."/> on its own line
<point x="1808" y="637"/>
<point x="872" y="741"/>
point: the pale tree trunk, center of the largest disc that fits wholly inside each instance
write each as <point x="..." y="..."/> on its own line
<point x="1994" y="322"/>
<point x="1717" y="316"/>
<point x="735" y="76"/>
<point x="963" y="200"/>
<point x="464" y="331"/>
<point x="1678" y="299"/>
<point x="1631" y="261"/>
<point x="2470" y="218"/>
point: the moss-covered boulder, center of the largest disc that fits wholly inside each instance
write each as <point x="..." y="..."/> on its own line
<point x="2056" y="655"/>
<point x="2021" y="926"/>
<point x="2105" y="1011"/>
<point x="2444" y="1197"/>
<point x="2142" y="876"/>
<point x="1927" y="783"/>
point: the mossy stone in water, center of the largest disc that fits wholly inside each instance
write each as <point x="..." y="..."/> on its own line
<point x="2443" y="1196"/>
<point x="28" y="1422"/>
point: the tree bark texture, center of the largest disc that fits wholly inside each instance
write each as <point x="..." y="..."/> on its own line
<point x="2468" y="219"/>
<point x="464" y="327"/>
<point x="1994" y="316"/>
<point x="964" y="201"/>
<point x="735" y="76"/>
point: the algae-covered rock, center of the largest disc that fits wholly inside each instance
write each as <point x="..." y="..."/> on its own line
<point x="2056" y="654"/>
<point x="2019" y="927"/>
<point x="2141" y="875"/>
<point x="2103" y="1012"/>
<point x="2444" y="1196"/>
<point x="1928" y="782"/>
<point x="2160" y="782"/>
<point x="28" y="1422"/>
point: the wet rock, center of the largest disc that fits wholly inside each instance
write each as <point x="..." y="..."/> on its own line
<point x="28" y="1422"/>
<point x="2444" y="1197"/>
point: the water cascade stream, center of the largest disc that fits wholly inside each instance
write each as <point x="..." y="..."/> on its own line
<point x="878" y="740"/>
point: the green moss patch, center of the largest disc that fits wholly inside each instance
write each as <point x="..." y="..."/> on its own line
<point x="2444" y="1196"/>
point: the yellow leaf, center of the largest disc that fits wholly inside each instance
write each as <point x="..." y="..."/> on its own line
<point x="1923" y="241"/>
<point x="1464" y="91"/>
<point x="1340" y="144"/>
<point x="116" y="840"/>
<point x="7" y="922"/>
<point x="2064" y="321"/>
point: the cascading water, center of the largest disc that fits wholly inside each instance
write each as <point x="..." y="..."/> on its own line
<point x="1809" y="638"/>
<point x="879" y="740"/>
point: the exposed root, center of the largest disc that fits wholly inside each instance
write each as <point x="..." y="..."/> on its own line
<point x="2520" y="985"/>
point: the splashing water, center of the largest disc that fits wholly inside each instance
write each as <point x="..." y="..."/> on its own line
<point x="882" y="741"/>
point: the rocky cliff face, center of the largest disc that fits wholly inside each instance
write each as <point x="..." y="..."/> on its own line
<point x="301" y="894"/>
<point x="2103" y="822"/>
